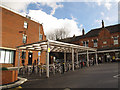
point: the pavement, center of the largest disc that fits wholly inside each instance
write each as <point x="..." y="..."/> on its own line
<point x="16" y="84"/>
<point x="104" y="75"/>
<point x="101" y="76"/>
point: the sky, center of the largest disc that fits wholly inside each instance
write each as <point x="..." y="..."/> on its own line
<point x="73" y="15"/>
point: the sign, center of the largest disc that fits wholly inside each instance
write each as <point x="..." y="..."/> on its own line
<point x="39" y="53"/>
<point x="48" y="49"/>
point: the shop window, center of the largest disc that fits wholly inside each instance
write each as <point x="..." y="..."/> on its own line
<point x="115" y="40"/>
<point x="6" y="56"/>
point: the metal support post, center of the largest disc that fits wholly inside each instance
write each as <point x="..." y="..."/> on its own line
<point x="18" y="60"/>
<point x="87" y="58"/>
<point x="72" y="59"/>
<point x="77" y="58"/>
<point x="96" y="58"/>
<point x="47" y="62"/>
<point x="65" y="60"/>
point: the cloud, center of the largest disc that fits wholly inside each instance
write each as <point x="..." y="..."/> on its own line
<point x="21" y="5"/>
<point x="16" y="5"/>
<point x="53" y="4"/>
<point x="108" y="5"/>
<point x="50" y="23"/>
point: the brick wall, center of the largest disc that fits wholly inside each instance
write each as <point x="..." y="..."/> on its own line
<point x="9" y="76"/>
<point x="104" y="35"/>
<point x="12" y="23"/>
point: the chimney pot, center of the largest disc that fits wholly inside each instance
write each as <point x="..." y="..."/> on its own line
<point x="102" y="24"/>
<point x="83" y="32"/>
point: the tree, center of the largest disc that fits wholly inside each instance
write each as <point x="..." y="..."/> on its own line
<point x="58" y="34"/>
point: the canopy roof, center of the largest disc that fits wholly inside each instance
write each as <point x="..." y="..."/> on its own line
<point x="55" y="46"/>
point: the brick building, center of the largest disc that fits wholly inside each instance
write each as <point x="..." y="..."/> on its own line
<point x="105" y="39"/>
<point x="18" y="30"/>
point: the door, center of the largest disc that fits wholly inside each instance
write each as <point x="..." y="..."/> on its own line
<point x="30" y="58"/>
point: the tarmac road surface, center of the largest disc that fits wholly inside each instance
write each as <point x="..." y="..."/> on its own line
<point x="102" y="76"/>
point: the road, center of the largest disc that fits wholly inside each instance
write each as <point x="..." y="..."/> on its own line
<point x="101" y="76"/>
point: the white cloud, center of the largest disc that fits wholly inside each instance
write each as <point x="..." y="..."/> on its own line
<point x="108" y="5"/>
<point x="16" y="5"/>
<point x="22" y="4"/>
<point x="51" y="23"/>
<point x="105" y="3"/>
<point x="53" y="4"/>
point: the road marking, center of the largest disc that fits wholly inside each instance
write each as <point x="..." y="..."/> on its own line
<point x="116" y="76"/>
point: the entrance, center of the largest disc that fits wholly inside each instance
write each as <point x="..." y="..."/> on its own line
<point x="30" y="58"/>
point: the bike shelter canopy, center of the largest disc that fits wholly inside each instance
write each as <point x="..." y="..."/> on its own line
<point x="56" y="46"/>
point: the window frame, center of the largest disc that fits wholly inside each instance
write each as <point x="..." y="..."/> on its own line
<point x="115" y="40"/>
<point x="95" y="42"/>
<point x="25" y="25"/>
<point x="40" y="38"/>
<point x="11" y="52"/>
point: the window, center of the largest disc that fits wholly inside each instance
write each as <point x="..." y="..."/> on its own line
<point x="2" y="55"/>
<point x="6" y="56"/>
<point x="85" y="43"/>
<point x="40" y="37"/>
<point x="24" y="38"/>
<point x="25" y="25"/>
<point x="95" y="43"/>
<point x="105" y="42"/>
<point x="115" y="40"/>
<point x="23" y="54"/>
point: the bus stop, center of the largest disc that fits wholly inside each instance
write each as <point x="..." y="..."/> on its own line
<point x="56" y="46"/>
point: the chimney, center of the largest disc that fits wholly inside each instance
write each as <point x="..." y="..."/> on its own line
<point x="74" y="35"/>
<point x="83" y="32"/>
<point x="102" y="24"/>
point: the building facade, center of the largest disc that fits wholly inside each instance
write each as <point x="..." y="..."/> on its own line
<point x="105" y="39"/>
<point x="16" y="30"/>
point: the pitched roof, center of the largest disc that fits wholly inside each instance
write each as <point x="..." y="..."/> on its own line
<point x="93" y="33"/>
